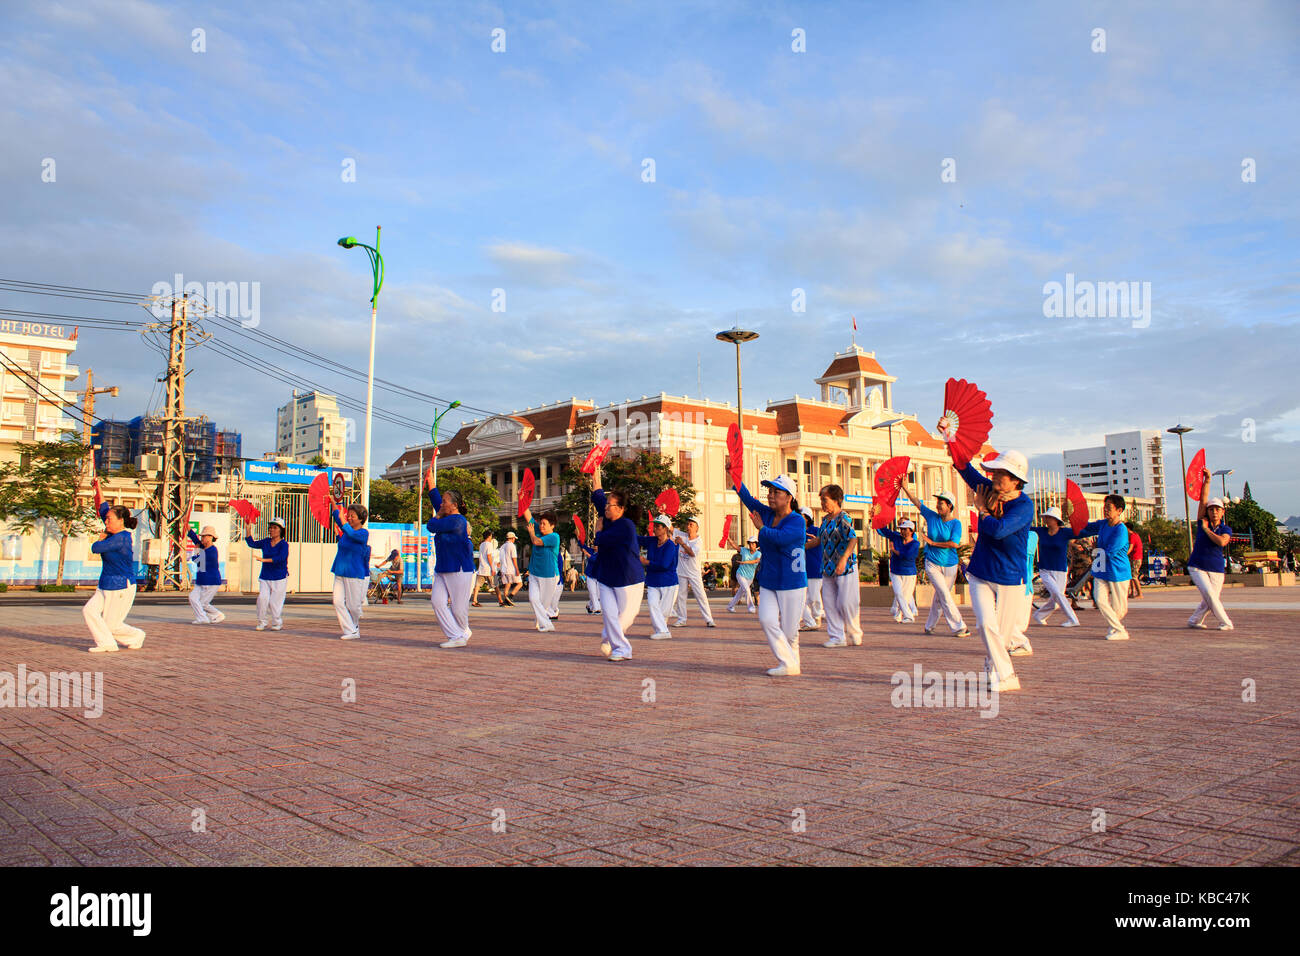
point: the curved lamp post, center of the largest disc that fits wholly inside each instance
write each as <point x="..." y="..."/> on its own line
<point x="1180" y="431"/>
<point x="736" y="336"/>
<point x="434" y="434"/>
<point x="377" y="270"/>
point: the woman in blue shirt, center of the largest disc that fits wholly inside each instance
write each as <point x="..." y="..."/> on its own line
<point x="1054" y="539"/>
<point x="105" y="613"/>
<point x="1111" y="569"/>
<point x="660" y="563"/>
<point x="841" y="592"/>
<point x="351" y="568"/>
<point x="619" y="573"/>
<point x="996" y="572"/>
<point x="543" y="567"/>
<point x="453" y="567"/>
<point x="782" y="575"/>
<point x="903" y="550"/>
<point x="273" y="581"/>
<point x="207" y="577"/>
<point x="1205" y="566"/>
<point x="941" y="535"/>
<point x="813" y="611"/>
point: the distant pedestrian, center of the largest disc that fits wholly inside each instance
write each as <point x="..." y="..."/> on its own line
<point x="488" y="566"/>
<point x="508" y="561"/>
<point x="690" y="579"/>
<point x="1135" y="562"/>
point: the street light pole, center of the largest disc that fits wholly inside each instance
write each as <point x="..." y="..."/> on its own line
<point x="1223" y="474"/>
<point x="434" y="435"/>
<point x="737" y="335"/>
<point x="377" y="269"/>
<point x="1180" y="431"/>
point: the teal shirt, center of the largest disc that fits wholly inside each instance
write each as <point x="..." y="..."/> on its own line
<point x="746" y="571"/>
<point x="545" y="559"/>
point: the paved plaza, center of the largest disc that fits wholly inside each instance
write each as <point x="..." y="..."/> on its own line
<point x="222" y="745"/>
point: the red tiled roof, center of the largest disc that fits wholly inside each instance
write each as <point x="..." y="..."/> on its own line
<point x="817" y="419"/>
<point x="849" y="364"/>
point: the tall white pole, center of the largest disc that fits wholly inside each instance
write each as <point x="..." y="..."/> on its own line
<point x="370" y="399"/>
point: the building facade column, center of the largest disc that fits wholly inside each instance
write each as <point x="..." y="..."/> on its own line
<point x="543" y="476"/>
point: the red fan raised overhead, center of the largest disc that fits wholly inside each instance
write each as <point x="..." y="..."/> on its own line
<point x="1078" y="506"/>
<point x="526" y="485"/>
<point x="581" y="529"/>
<point x="726" y="532"/>
<point x="669" y="502"/>
<point x="735" y="455"/>
<point x="318" y="499"/>
<point x="966" y="421"/>
<point x="246" y="510"/>
<point x="596" y="456"/>
<point x="1194" y="476"/>
<point x="888" y="481"/>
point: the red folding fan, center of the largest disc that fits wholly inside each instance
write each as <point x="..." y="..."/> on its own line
<point x="735" y="455"/>
<point x="974" y="521"/>
<point x="581" y="529"/>
<point x="246" y="510"/>
<point x="526" y="485"/>
<point x="318" y="499"/>
<point x="596" y="456"/>
<point x="1194" y="476"/>
<point x="888" y="480"/>
<point x="99" y="495"/>
<point x="1078" y="506"/>
<point x="726" y="532"/>
<point x="669" y="502"/>
<point x="966" y="421"/>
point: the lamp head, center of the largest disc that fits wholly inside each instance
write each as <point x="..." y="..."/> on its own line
<point x="455" y="404"/>
<point x="347" y="242"/>
<point x="1179" y="429"/>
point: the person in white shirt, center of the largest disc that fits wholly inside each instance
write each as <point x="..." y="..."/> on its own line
<point x="690" y="575"/>
<point x="508" y="562"/>
<point x="487" y="567"/>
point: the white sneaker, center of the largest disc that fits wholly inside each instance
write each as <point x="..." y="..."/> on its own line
<point x="218" y="619"/>
<point x="782" y="671"/>
<point x="709" y="624"/>
<point x="753" y="610"/>
<point x="196" y="621"/>
<point x="277" y="627"/>
<point x="260" y="627"/>
<point x="929" y="630"/>
<point x="836" y="642"/>
<point x="1117" y="636"/>
<point x="731" y="610"/>
<point x="964" y="632"/>
<point x="997" y="686"/>
<point x="605" y="648"/>
<point x="457" y="642"/>
<point x="1225" y="627"/>
<point x="619" y="658"/>
<point x="664" y="636"/>
<point x="1199" y="627"/>
<point x="1021" y="650"/>
<point x="679" y="623"/>
<point x="1069" y="624"/>
<point x="349" y="637"/>
<point x="856" y="642"/>
<point x="103" y="649"/>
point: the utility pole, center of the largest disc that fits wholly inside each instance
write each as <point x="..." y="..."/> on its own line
<point x="173" y="491"/>
<point x="88" y="403"/>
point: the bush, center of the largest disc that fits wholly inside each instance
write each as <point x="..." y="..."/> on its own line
<point x="3" y="587"/>
<point x="55" y="588"/>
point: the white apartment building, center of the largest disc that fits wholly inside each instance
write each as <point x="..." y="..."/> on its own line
<point x="309" y="426"/>
<point x="35" y="352"/>
<point x="1130" y="464"/>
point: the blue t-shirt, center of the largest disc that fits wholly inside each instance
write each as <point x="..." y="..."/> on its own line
<point x="999" y="555"/>
<point x="661" y="572"/>
<point x="118" y="556"/>
<point x="746" y="571"/>
<point x="352" y="560"/>
<point x="1206" y="555"/>
<point x="940" y="529"/>
<point x="813" y="561"/>
<point x="902" y="558"/>
<point x="277" y="569"/>
<point x="208" y="571"/>
<point x="784" y="564"/>
<point x="836" y="536"/>
<point x="544" y="562"/>
<point x="1054" y="549"/>
<point x="618" y="557"/>
<point x="1031" y="542"/>
<point x="1112" y="540"/>
<point x="452" y="549"/>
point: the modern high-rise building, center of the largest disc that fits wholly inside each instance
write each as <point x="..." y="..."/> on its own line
<point x="1130" y="464"/>
<point x="208" y="452"/>
<point x="309" y="426"/>
<point x="34" y="379"/>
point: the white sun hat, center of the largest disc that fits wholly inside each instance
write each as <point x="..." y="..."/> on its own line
<point x="1215" y="503"/>
<point x="208" y="530"/>
<point x="782" y="482"/>
<point x="947" y="497"/>
<point x="905" y="524"/>
<point x="280" y="521"/>
<point x="1009" y="461"/>
<point x="664" y="520"/>
<point x="1054" y="513"/>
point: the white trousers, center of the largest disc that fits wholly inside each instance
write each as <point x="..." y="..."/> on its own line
<point x="456" y="586"/>
<point x="842" y="597"/>
<point x="1019" y="636"/>
<point x="944" y="603"/>
<point x="661" y="601"/>
<point x="1055" y="581"/>
<point x="813" y="611"/>
<point x="996" y="607"/>
<point x="1209" y="583"/>
<point x="554" y="607"/>
<point x="105" y="614"/>
<point x="270" y="601"/>
<point x="1111" y="598"/>
<point x="778" y="615"/>
<point x="201" y="601"/>
<point x="593" y="595"/>
<point x="349" y="593"/>
<point x="743" y="589"/>
<point x="692" y="585"/>
<point x="904" y="588"/>
<point x="543" y="594"/>
<point x="618" y="609"/>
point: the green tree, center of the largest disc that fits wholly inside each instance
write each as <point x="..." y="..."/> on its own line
<point x="1161" y="534"/>
<point x="41" y="489"/>
<point x="479" y="500"/>
<point x="642" y="477"/>
<point x="390" y="503"/>
<point x="318" y="460"/>
<point x="1246" y="516"/>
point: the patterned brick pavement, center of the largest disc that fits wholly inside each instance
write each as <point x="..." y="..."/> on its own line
<point x="722" y="767"/>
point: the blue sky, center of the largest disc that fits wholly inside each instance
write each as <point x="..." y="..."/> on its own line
<point x="775" y="170"/>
